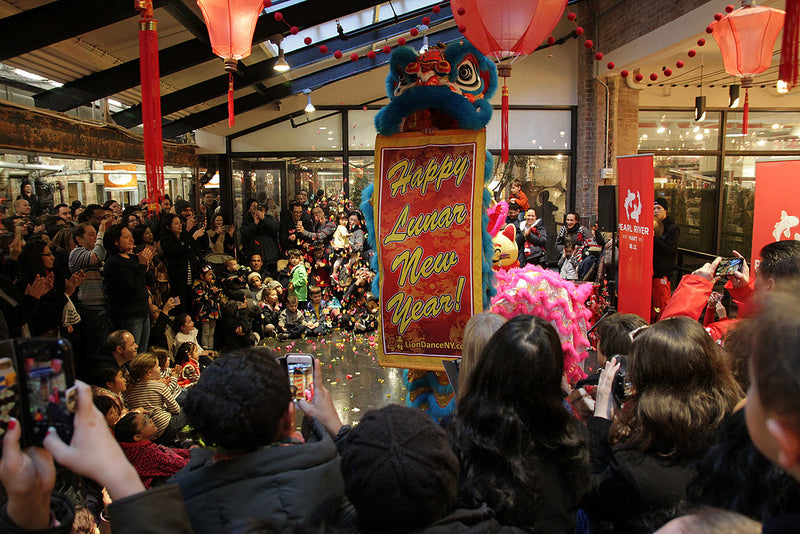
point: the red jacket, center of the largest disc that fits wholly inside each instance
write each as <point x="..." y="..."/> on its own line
<point x="152" y="460"/>
<point x="691" y="298"/>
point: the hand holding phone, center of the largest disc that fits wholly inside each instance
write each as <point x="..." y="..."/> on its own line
<point x="321" y="406"/>
<point x="301" y="376"/>
<point x="729" y="266"/>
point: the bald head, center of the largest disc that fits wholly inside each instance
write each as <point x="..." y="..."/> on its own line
<point x="22" y="207"/>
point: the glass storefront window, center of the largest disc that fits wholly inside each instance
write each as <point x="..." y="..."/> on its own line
<point x="767" y="130"/>
<point x="319" y="135"/>
<point x="689" y="185"/>
<point x="532" y="129"/>
<point x="738" y="193"/>
<point x="544" y="181"/>
<point x="362" y="172"/>
<point x="362" y="129"/>
<point x="677" y="130"/>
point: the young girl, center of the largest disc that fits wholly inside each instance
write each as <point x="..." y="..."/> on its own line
<point x="187" y="364"/>
<point x="187" y="332"/>
<point x="568" y="264"/>
<point x="320" y="267"/>
<point x="146" y="391"/>
<point x="134" y="433"/>
<point x="108" y="381"/>
<point x="270" y="310"/>
<point x="207" y="297"/>
<point x="341" y="237"/>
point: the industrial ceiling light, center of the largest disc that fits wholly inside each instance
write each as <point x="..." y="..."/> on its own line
<point x="281" y="65"/>
<point x="699" y="108"/>
<point x="733" y="101"/>
<point x="309" y="107"/>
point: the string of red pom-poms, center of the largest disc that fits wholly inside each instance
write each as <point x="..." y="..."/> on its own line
<point x="598" y="56"/>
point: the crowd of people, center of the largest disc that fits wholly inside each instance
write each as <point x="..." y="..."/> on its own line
<point x="688" y="425"/>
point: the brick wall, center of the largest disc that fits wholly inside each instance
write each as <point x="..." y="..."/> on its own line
<point x="611" y="24"/>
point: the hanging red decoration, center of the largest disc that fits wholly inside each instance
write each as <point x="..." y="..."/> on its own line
<point x="231" y="24"/>
<point x="791" y="36"/>
<point x="507" y="30"/>
<point x="151" y="104"/>
<point x="746" y="38"/>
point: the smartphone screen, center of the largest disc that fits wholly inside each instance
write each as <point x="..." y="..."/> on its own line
<point x="729" y="266"/>
<point x="301" y="375"/>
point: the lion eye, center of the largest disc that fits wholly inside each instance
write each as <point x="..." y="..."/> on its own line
<point x="468" y="78"/>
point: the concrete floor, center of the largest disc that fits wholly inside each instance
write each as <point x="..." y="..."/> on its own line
<point x="350" y="371"/>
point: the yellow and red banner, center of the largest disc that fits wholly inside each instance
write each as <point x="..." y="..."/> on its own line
<point x="776" y="215"/>
<point x="428" y="205"/>
<point x="635" y="208"/>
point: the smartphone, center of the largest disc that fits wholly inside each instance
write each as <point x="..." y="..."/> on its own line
<point x="728" y="266"/>
<point x="622" y="388"/>
<point x="300" y="368"/>
<point x="36" y="374"/>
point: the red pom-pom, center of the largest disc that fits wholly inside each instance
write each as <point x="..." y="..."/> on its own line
<point x="338" y="54"/>
<point x="701" y="42"/>
<point x="267" y="3"/>
<point x="551" y="40"/>
<point x="624" y="73"/>
<point x="653" y="76"/>
<point x="638" y="77"/>
<point x="588" y="43"/>
<point x="691" y="53"/>
<point x="294" y="30"/>
<point x="354" y="57"/>
<point x="364" y="108"/>
<point x="387" y="50"/>
<point x="709" y="29"/>
<point x="278" y="16"/>
<point x="462" y="28"/>
<point x="401" y="41"/>
<point x="436" y="9"/>
<point x="426" y="21"/>
<point x="307" y="40"/>
<point x="461" y="11"/>
<point x="729" y="8"/>
<point x="610" y="65"/>
<point x="598" y="56"/>
<point x="571" y="16"/>
<point x="371" y="54"/>
<point x="679" y="64"/>
<point x="323" y="49"/>
<point x="667" y="72"/>
<point x="414" y="32"/>
<point x="579" y="30"/>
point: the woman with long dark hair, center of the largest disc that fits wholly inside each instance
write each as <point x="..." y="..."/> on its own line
<point x="124" y="281"/>
<point x="644" y="457"/>
<point x="178" y="252"/>
<point x="520" y="449"/>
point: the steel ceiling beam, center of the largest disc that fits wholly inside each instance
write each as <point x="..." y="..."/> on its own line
<point x="57" y="21"/>
<point x="263" y="71"/>
<point x="185" y="55"/>
<point x="320" y="78"/>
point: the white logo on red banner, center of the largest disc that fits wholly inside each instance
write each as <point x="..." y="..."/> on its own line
<point x="785" y="225"/>
<point x="633" y="205"/>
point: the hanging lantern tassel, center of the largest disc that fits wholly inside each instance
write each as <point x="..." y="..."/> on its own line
<point x="505" y="72"/>
<point x="791" y="32"/>
<point x="746" y="110"/>
<point x="151" y="104"/>
<point x="230" y="99"/>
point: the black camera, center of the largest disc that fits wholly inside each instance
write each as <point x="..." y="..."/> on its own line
<point x="622" y="388"/>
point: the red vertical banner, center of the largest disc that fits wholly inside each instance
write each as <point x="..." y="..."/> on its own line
<point x="635" y="208"/>
<point x="776" y="211"/>
<point x="428" y="207"/>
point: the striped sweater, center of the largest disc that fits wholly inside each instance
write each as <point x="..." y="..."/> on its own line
<point x="155" y="398"/>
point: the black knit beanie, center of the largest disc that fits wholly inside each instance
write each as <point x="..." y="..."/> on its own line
<point x="399" y="471"/>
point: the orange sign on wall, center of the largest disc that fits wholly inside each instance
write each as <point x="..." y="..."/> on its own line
<point x="428" y="206"/>
<point x="118" y="178"/>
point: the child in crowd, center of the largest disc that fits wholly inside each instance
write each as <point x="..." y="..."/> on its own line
<point x="320" y="266"/>
<point x="109" y="409"/>
<point x="569" y="261"/>
<point x="255" y="285"/>
<point x="187" y="332"/>
<point x="237" y="326"/>
<point x="518" y="195"/>
<point x="367" y="321"/>
<point x="291" y="319"/>
<point x="319" y="319"/>
<point x="354" y="312"/>
<point x="109" y="381"/>
<point x="341" y="237"/>
<point x="168" y="372"/>
<point x="187" y="365"/>
<point x="153" y="463"/>
<point x="234" y="280"/>
<point x="146" y="391"/>
<point x="298" y="277"/>
<point x="270" y="310"/>
<point x="207" y="297"/>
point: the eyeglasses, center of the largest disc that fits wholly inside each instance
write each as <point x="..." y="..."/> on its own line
<point x="633" y="333"/>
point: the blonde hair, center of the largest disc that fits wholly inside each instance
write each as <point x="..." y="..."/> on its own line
<point x="141" y="365"/>
<point x="479" y="329"/>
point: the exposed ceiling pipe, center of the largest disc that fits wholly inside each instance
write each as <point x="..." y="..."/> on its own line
<point x="31" y="166"/>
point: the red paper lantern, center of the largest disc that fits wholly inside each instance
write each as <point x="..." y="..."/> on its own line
<point x="746" y="38"/>
<point x="231" y="24"/>
<point x="507" y="29"/>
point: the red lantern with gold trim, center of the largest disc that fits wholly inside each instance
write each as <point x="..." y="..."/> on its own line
<point x="231" y="24"/>
<point x="506" y="30"/>
<point x="746" y="38"/>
